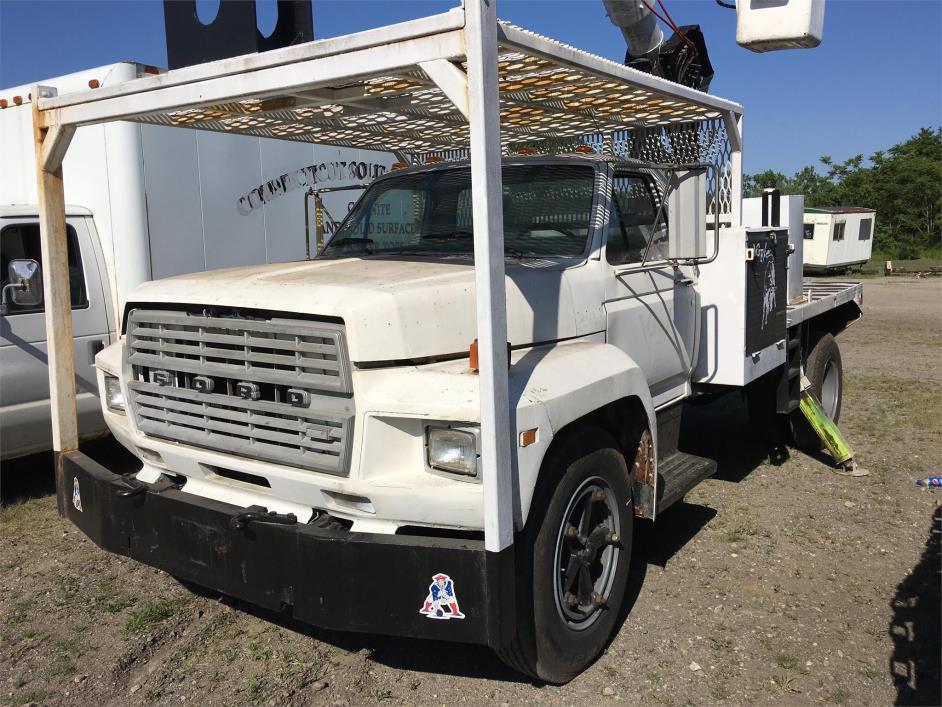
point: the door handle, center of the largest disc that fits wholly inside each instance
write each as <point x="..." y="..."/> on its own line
<point x="93" y="348"/>
<point x="688" y="281"/>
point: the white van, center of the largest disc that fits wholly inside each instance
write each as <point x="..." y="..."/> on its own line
<point x="146" y="202"/>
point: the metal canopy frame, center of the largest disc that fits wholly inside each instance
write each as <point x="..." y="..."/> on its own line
<point x="458" y="81"/>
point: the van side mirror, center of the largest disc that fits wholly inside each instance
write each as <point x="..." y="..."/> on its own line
<point x="686" y="214"/>
<point x="25" y="287"/>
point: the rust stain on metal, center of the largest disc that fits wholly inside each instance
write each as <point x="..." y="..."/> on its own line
<point x="643" y="469"/>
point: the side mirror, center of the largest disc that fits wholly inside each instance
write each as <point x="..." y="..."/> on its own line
<point x="686" y="215"/>
<point x="25" y="287"/>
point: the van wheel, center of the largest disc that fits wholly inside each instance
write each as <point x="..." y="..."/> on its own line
<point x="573" y="559"/>
<point x="826" y="375"/>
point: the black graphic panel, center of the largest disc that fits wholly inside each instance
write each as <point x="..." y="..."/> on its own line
<point x="766" y="289"/>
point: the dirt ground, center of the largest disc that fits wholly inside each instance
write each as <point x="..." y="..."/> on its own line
<point x="769" y="584"/>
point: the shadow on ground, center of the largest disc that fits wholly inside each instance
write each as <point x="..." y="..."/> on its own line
<point x="916" y="624"/>
<point x="34" y="476"/>
<point x="709" y="430"/>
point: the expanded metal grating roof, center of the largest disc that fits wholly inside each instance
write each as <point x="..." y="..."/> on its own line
<point x="548" y="93"/>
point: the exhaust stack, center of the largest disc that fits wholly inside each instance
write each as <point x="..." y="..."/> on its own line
<point x="638" y="26"/>
<point x="682" y="59"/>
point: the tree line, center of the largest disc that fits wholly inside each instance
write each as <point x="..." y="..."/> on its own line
<point x="903" y="184"/>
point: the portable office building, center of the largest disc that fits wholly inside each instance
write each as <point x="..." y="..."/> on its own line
<point x="837" y="238"/>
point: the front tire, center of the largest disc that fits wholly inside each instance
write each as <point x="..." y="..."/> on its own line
<point x="573" y="558"/>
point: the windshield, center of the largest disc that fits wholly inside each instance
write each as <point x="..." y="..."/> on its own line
<point x="546" y="213"/>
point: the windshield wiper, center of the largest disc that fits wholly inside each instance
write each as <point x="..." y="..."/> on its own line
<point x="366" y="242"/>
<point x="457" y="235"/>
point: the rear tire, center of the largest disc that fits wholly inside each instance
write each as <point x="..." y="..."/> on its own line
<point x="825" y="372"/>
<point x="573" y="558"/>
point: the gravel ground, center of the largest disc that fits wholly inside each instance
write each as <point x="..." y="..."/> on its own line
<point x="769" y="584"/>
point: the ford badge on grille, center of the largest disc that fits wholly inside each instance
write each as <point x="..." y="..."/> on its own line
<point x="247" y="390"/>
<point x="203" y="384"/>
<point x="162" y="377"/>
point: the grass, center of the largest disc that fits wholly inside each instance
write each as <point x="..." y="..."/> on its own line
<point x="719" y="693"/>
<point x="117" y="603"/>
<point x="839" y="697"/>
<point x="26" y="698"/>
<point x="897" y="403"/>
<point x="786" y="683"/>
<point x="254" y="688"/>
<point x="877" y="260"/>
<point x="786" y="662"/>
<point x="14" y="514"/>
<point x="740" y="533"/>
<point x="151" y="614"/>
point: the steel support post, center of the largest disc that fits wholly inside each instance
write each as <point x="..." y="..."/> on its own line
<point x="487" y="209"/>
<point x="50" y="146"/>
<point x="734" y="131"/>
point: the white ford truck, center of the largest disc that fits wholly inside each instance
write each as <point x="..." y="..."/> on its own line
<point x="300" y="424"/>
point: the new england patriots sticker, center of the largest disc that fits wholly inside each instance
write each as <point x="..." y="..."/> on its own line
<point x="76" y="494"/>
<point x="441" y="602"/>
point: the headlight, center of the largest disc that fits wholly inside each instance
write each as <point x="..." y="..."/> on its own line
<point x="114" y="398"/>
<point x="451" y="450"/>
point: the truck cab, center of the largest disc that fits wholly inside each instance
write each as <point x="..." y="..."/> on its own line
<point x="326" y="384"/>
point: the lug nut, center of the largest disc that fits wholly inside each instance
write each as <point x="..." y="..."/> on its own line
<point x="598" y="495"/>
<point x="598" y="599"/>
<point x="613" y="539"/>
<point x="570" y="599"/>
<point x="572" y="531"/>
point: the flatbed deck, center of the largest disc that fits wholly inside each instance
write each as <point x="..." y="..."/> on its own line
<point x="820" y="296"/>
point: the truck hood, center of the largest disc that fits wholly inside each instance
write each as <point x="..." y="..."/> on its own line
<point x="396" y="308"/>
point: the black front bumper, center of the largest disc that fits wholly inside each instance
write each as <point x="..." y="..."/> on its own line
<point x="333" y="579"/>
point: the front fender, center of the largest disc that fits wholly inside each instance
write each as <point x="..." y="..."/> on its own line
<point x="551" y="387"/>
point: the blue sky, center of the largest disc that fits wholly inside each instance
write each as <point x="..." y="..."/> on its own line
<point x="874" y="81"/>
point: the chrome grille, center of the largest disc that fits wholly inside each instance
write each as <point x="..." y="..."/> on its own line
<point x="227" y="382"/>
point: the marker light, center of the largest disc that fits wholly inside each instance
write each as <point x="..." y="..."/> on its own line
<point x="400" y="165"/>
<point x="527" y="151"/>
<point x="3" y="103"/>
<point x="584" y="150"/>
<point x="473" y="356"/>
<point x="93" y="83"/>
<point x="434" y="159"/>
<point x="18" y="100"/>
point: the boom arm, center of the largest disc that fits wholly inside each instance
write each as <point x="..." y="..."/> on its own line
<point x="760" y="27"/>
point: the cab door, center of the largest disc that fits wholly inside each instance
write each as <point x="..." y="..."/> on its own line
<point x="25" y="420"/>
<point x="642" y="305"/>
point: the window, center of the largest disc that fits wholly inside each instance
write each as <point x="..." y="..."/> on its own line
<point x="809" y="231"/>
<point x="866" y="228"/>
<point x="547" y="210"/>
<point x="21" y="241"/>
<point x="839" y="231"/>
<point x="631" y="222"/>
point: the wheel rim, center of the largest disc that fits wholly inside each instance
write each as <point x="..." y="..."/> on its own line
<point x="830" y="389"/>
<point x="587" y="553"/>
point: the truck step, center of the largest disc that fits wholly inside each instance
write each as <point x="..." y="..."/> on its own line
<point x="679" y="473"/>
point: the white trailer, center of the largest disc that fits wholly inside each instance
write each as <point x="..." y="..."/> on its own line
<point x="837" y="238"/>
<point x="147" y="202"/>
<point x="473" y="393"/>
